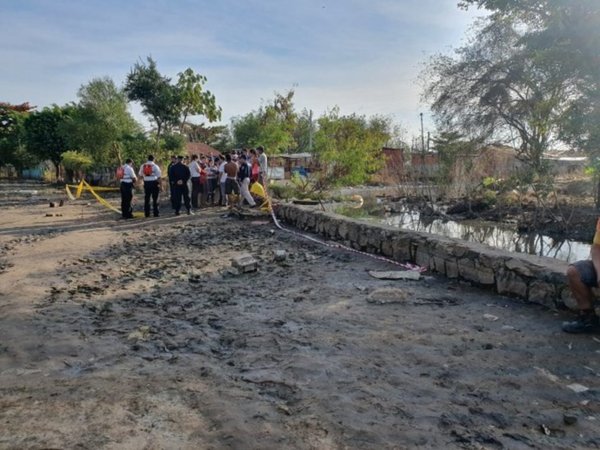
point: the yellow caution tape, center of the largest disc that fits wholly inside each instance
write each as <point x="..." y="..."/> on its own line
<point x="84" y="185"/>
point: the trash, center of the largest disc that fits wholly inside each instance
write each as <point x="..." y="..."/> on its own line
<point x="490" y="317"/>
<point x="396" y="275"/>
<point x="578" y="388"/>
<point x="550" y="376"/>
<point x="141" y="334"/>
<point x="545" y="429"/>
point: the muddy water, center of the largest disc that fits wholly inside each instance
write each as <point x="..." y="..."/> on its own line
<point x="502" y="237"/>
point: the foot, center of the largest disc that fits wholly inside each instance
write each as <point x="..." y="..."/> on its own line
<point x="585" y="323"/>
<point x="190" y="213"/>
<point x="176" y="213"/>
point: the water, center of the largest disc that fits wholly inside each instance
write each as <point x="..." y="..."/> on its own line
<point x="493" y="235"/>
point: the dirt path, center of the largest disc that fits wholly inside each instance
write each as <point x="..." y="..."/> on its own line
<point x="140" y="335"/>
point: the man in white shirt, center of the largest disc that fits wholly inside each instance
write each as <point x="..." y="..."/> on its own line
<point x="195" y="177"/>
<point x="222" y="182"/>
<point x="151" y="176"/>
<point x="262" y="161"/>
<point x="126" y="187"/>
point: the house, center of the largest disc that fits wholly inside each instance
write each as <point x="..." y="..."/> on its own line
<point x="200" y="148"/>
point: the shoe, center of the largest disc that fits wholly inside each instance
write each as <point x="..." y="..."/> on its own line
<point x="586" y="323"/>
<point x="156" y="215"/>
<point x="176" y="213"/>
<point x="190" y="213"/>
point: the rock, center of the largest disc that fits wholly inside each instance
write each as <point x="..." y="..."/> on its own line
<point x="387" y="295"/>
<point x="245" y="263"/>
<point x="396" y="275"/>
<point x="569" y="419"/>
<point x="490" y="317"/>
<point x="279" y="255"/>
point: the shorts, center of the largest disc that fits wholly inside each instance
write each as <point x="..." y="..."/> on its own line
<point x="587" y="273"/>
<point x="231" y="186"/>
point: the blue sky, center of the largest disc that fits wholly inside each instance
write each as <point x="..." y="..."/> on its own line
<point x="361" y="55"/>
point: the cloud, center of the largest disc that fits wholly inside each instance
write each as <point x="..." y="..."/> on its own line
<point x="362" y="55"/>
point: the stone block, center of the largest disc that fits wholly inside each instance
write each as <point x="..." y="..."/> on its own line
<point x="542" y="293"/>
<point x="451" y="268"/>
<point x="244" y="263"/>
<point x="467" y="270"/>
<point x="510" y="283"/>
<point x="519" y="266"/>
<point x="486" y="275"/>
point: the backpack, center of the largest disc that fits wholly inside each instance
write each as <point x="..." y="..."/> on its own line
<point x="147" y="170"/>
<point x="120" y="172"/>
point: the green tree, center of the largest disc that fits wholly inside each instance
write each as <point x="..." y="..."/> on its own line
<point x="12" y="136"/>
<point x="76" y="162"/>
<point x="271" y="126"/>
<point x="45" y="136"/>
<point x="160" y="100"/>
<point x="496" y="89"/>
<point x="349" y="147"/>
<point x="100" y="122"/>
<point x="194" y="99"/>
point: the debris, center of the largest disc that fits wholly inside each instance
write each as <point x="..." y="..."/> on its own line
<point x="360" y="287"/>
<point x="280" y="255"/>
<point x="141" y="334"/>
<point x="396" y="275"/>
<point x="545" y="429"/>
<point x="52" y="205"/>
<point x="569" y="419"/>
<point x="385" y="296"/>
<point x="245" y="263"/>
<point x="550" y="376"/>
<point x="490" y="317"/>
<point x="578" y="388"/>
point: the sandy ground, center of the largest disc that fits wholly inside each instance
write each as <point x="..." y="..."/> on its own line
<point x="140" y="335"/>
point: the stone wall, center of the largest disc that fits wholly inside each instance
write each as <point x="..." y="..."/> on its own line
<point x="536" y="279"/>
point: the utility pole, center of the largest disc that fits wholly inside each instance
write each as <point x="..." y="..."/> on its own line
<point x="310" y="131"/>
<point x="422" y="134"/>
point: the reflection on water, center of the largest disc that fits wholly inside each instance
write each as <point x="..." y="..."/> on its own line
<point x="495" y="236"/>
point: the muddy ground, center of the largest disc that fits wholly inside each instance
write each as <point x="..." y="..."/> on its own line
<point x="140" y="335"/>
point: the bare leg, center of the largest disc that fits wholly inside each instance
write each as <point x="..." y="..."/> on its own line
<point x="582" y="293"/>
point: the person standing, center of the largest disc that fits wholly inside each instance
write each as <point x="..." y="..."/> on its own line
<point x="222" y="181"/>
<point x="126" y="188"/>
<point x="231" y="182"/>
<point x="150" y="173"/>
<point x="171" y="196"/>
<point x="195" y="176"/>
<point x="212" y="176"/>
<point x="244" y="180"/>
<point x="262" y="162"/>
<point x="181" y="174"/>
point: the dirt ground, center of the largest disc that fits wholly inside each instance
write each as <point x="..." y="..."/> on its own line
<point x="140" y="335"/>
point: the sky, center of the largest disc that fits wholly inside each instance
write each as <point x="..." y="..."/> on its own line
<point x="363" y="56"/>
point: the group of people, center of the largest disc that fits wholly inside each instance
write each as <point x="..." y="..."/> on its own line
<point x="227" y="177"/>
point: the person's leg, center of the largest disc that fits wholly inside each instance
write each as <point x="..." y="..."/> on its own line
<point x="155" y="193"/>
<point x="124" y="205"/>
<point x="582" y="277"/>
<point x="177" y="193"/>
<point x="147" y="195"/>
<point x="244" y="188"/>
<point x="186" y="198"/>
<point x="195" y="191"/>
<point x="223" y="199"/>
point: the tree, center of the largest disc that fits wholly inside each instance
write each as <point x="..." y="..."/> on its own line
<point x="349" y="147"/>
<point x="76" y="163"/>
<point x="566" y="33"/>
<point x="160" y="100"/>
<point x="271" y="126"/>
<point x="194" y="100"/>
<point x="100" y="122"/>
<point x="496" y="89"/>
<point x="44" y="133"/>
<point x="12" y="135"/>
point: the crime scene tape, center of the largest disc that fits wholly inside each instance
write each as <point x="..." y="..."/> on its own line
<point x="83" y="185"/>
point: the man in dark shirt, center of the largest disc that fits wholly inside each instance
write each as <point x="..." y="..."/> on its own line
<point x="171" y="164"/>
<point x="179" y="174"/>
